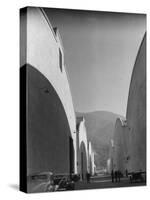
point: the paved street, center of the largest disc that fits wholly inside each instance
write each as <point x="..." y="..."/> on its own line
<point x="104" y="181"/>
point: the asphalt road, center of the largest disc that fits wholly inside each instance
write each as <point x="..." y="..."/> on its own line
<point x="104" y="181"/>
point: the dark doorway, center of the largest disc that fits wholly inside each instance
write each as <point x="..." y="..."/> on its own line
<point x="82" y="165"/>
<point x="71" y="155"/>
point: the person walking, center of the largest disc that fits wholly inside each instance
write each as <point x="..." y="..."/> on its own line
<point x="116" y="176"/>
<point x="119" y="175"/>
<point x="112" y="175"/>
<point x="88" y="177"/>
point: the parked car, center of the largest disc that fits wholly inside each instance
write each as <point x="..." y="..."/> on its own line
<point x="137" y="176"/>
<point x="63" y="182"/>
<point x="41" y="182"/>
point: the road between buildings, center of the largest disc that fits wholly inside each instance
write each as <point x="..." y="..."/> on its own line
<point x="105" y="182"/>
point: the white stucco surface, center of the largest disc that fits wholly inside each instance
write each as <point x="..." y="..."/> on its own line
<point x="43" y="53"/>
<point x="82" y="147"/>
<point x="41" y="50"/>
<point x="136" y="112"/>
<point x="130" y="135"/>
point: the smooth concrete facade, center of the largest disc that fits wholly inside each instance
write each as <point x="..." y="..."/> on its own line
<point x="51" y="127"/>
<point x="82" y="148"/>
<point x="136" y="112"/>
<point x="129" y="149"/>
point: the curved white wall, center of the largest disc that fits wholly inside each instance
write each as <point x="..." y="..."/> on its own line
<point x="136" y="112"/>
<point x="82" y="147"/>
<point x="43" y="53"/>
<point x="41" y="50"/>
<point x="130" y="135"/>
<point x="120" y="145"/>
<point x="83" y="134"/>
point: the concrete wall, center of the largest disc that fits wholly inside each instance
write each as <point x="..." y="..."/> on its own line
<point x="129" y="148"/>
<point x="136" y="112"/>
<point x="52" y="123"/>
<point x="48" y="144"/>
<point x="82" y="148"/>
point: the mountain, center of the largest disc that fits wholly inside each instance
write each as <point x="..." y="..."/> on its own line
<point x="100" y="128"/>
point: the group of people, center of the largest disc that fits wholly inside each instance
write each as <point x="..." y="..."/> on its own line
<point x="116" y="175"/>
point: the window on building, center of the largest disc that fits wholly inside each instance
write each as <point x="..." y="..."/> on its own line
<point x="60" y="60"/>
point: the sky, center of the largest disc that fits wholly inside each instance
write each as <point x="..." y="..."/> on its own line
<point x="100" y="49"/>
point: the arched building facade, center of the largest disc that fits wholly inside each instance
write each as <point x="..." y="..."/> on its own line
<point x="51" y="123"/>
<point x="129" y="149"/>
<point x="136" y="112"/>
<point x="82" y="148"/>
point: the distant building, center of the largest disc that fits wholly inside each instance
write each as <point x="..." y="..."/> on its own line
<point x="109" y="165"/>
<point x="82" y="148"/>
<point x="120" y="145"/>
<point x="91" y="155"/>
<point x="110" y="160"/>
<point x="51" y="122"/>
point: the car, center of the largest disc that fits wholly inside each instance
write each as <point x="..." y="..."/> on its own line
<point x="41" y="182"/>
<point x="137" y="176"/>
<point x="64" y="182"/>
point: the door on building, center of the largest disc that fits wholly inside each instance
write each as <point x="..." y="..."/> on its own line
<point x="71" y="155"/>
<point x="82" y="163"/>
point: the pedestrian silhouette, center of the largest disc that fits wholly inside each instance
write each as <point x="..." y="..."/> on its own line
<point x="88" y="177"/>
<point x="126" y="173"/>
<point x="119" y="175"/>
<point x="112" y="175"/>
<point x="116" y="176"/>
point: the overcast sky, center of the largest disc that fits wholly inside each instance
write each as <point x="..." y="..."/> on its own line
<point x="100" y="50"/>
